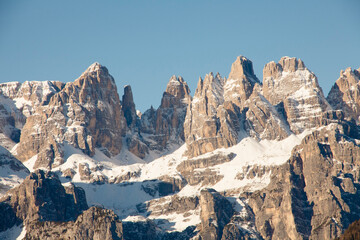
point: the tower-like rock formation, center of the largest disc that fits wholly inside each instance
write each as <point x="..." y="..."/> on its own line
<point x="345" y="94"/>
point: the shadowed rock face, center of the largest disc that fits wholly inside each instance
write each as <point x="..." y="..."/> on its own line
<point x="50" y="211"/>
<point x="345" y="94"/>
<point x="94" y="223"/>
<point x="165" y="126"/>
<point x="86" y="114"/>
<point x="263" y="120"/>
<point x="170" y="115"/>
<point x="241" y="81"/>
<point x="315" y="195"/>
<point x="128" y="106"/>
<point x="41" y="197"/>
<point x="216" y="212"/>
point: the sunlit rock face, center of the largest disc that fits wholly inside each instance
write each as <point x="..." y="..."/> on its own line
<point x="345" y="94"/>
<point x="86" y="114"/>
<point x="291" y="86"/>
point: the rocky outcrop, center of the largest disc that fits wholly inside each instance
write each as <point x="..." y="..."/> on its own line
<point x="165" y="125"/>
<point x="128" y="107"/>
<point x="94" y="223"/>
<point x="29" y="95"/>
<point x="196" y="171"/>
<point x="241" y="81"/>
<point x="263" y="120"/>
<point x="216" y="212"/>
<point x="140" y="230"/>
<point x="85" y="114"/>
<point x="49" y="210"/>
<point x="345" y="94"/>
<point x="315" y="195"/>
<point x="41" y="197"/>
<point x="290" y="86"/>
<point x="12" y="171"/>
<point x="222" y="108"/>
<point x="208" y="125"/>
<point x="11" y="120"/>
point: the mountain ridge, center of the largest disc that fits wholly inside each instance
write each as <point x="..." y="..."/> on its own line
<point x="209" y="166"/>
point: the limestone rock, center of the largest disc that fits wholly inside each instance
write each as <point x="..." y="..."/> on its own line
<point x="241" y="81"/>
<point x="315" y="195"/>
<point x="166" y="124"/>
<point x="29" y="95"/>
<point x="128" y="106"/>
<point x="216" y="114"/>
<point x="345" y="94"/>
<point x="290" y="85"/>
<point x="207" y="124"/>
<point x="94" y="223"/>
<point x="263" y="120"/>
<point x="85" y="114"/>
<point x="216" y="212"/>
<point x="13" y="172"/>
<point x="41" y="197"/>
<point x="11" y="121"/>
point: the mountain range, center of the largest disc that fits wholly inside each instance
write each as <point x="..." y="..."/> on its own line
<point x="240" y="159"/>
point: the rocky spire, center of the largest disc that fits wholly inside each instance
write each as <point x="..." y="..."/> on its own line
<point x="177" y="93"/>
<point x="242" y="66"/>
<point x="345" y="94"/>
<point x="129" y="107"/>
<point x="241" y="81"/>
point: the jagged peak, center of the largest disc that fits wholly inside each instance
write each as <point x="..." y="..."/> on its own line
<point x="291" y="64"/>
<point x="242" y="66"/>
<point x="176" y="81"/>
<point x="177" y="89"/>
<point x="94" y="67"/>
<point x="350" y="75"/>
<point x="285" y="64"/>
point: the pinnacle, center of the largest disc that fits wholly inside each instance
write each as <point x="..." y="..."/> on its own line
<point x="242" y="66"/>
<point x="94" y="67"/>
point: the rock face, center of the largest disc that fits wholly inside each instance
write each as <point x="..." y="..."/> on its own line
<point x="94" y="223"/>
<point x="222" y="108"/>
<point x="291" y="86"/>
<point x="207" y="124"/>
<point x="19" y="101"/>
<point x="11" y="120"/>
<point x="263" y="120"/>
<point x="315" y="195"/>
<point x="345" y="94"/>
<point x="12" y="171"/>
<point x="164" y="126"/>
<point x="239" y="86"/>
<point x="216" y="212"/>
<point x="85" y="114"/>
<point x="30" y="94"/>
<point x="128" y="106"/>
<point x="41" y="197"/>
<point x="51" y="211"/>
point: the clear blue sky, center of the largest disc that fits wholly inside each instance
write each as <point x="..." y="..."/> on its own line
<point x="143" y="43"/>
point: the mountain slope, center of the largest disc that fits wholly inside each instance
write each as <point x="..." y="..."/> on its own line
<point x="242" y="159"/>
